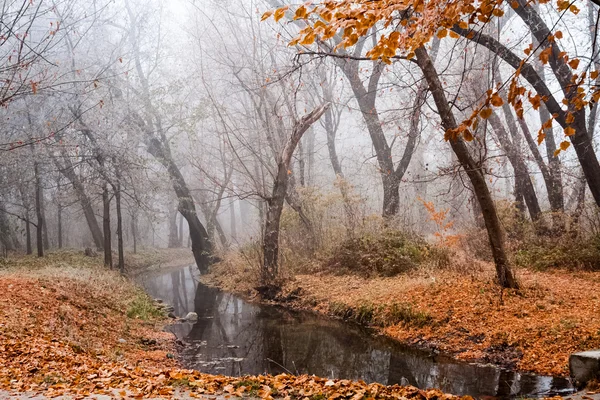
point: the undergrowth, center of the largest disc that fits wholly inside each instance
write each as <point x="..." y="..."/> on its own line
<point x="143" y="307"/>
<point x="382" y="315"/>
<point x="387" y="253"/>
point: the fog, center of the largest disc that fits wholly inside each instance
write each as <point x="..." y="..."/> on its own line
<point x="153" y="112"/>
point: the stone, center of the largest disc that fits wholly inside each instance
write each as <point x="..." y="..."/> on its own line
<point x="584" y="367"/>
<point x="192" y="316"/>
<point x="171" y="315"/>
<point x="122" y="341"/>
<point x="159" y="301"/>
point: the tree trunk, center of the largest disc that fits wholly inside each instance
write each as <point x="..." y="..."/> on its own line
<point x="173" y="233"/>
<point x="86" y="205"/>
<point x="106" y="227"/>
<point x="120" y="229"/>
<point x="232" y="221"/>
<point x="275" y="202"/>
<point x="59" y="210"/>
<point x="522" y="179"/>
<point x="180" y="236"/>
<point x="28" y="236"/>
<point x="6" y="235"/>
<point x="38" y="210"/>
<point x="504" y="272"/>
<point x="45" y="227"/>
<point x="134" y="233"/>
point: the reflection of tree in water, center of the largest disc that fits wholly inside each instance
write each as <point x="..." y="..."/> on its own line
<point x="234" y="337"/>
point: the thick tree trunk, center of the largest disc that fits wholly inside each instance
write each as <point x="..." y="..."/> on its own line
<point x="275" y="202"/>
<point x="504" y="272"/>
<point x="38" y="210"/>
<point x="120" y="248"/>
<point x="106" y="227"/>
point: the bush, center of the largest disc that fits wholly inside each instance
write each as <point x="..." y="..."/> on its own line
<point x="384" y="254"/>
<point x="563" y="252"/>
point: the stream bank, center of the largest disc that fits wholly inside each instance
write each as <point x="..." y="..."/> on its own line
<point x="237" y="338"/>
<point x="457" y="312"/>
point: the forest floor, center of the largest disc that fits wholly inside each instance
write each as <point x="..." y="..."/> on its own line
<point x="459" y="312"/>
<point x="69" y="327"/>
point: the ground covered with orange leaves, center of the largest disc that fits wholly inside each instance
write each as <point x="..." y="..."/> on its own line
<point x="535" y="329"/>
<point x="460" y="312"/>
<point x="70" y="327"/>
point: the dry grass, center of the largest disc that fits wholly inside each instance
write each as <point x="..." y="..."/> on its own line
<point x="557" y="313"/>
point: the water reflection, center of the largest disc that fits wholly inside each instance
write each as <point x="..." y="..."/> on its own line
<point x="233" y="337"/>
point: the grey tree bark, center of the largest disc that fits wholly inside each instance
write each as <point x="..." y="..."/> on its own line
<point x="275" y="202"/>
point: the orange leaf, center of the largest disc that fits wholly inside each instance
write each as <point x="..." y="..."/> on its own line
<point x="574" y="63"/>
<point x="496" y="100"/>
<point x="569" y="131"/>
<point x="570" y="118"/>
<point x="485" y="113"/>
<point x="468" y="135"/>
<point x="545" y="55"/>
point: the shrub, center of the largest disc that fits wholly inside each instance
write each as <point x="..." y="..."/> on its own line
<point x="405" y="313"/>
<point x="388" y="253"/>
<point x="564" y="252"/>
<point x="142" y="307"/>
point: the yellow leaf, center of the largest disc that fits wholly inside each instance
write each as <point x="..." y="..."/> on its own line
<point x="485" y="113"/>
<point x="454" y="35"/>
<point x="280" y="13"/>
<point x="301" y="13"/>
<point x="442" y="33"/>
<point x="308" y="39"/>
<point x="266" y="15"/>
<point x="570" y="118"/>
<point x="564" y="145"/>
<point x="569" y="131"/>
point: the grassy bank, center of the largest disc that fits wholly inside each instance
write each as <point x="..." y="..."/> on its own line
<point x="453" y="306"/>
<point x="70" y="326"/>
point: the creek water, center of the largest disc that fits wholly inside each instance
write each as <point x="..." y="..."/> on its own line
<point x="234" y="337"/>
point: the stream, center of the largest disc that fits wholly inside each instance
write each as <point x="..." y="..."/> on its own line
<point x="234" y="337"/>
